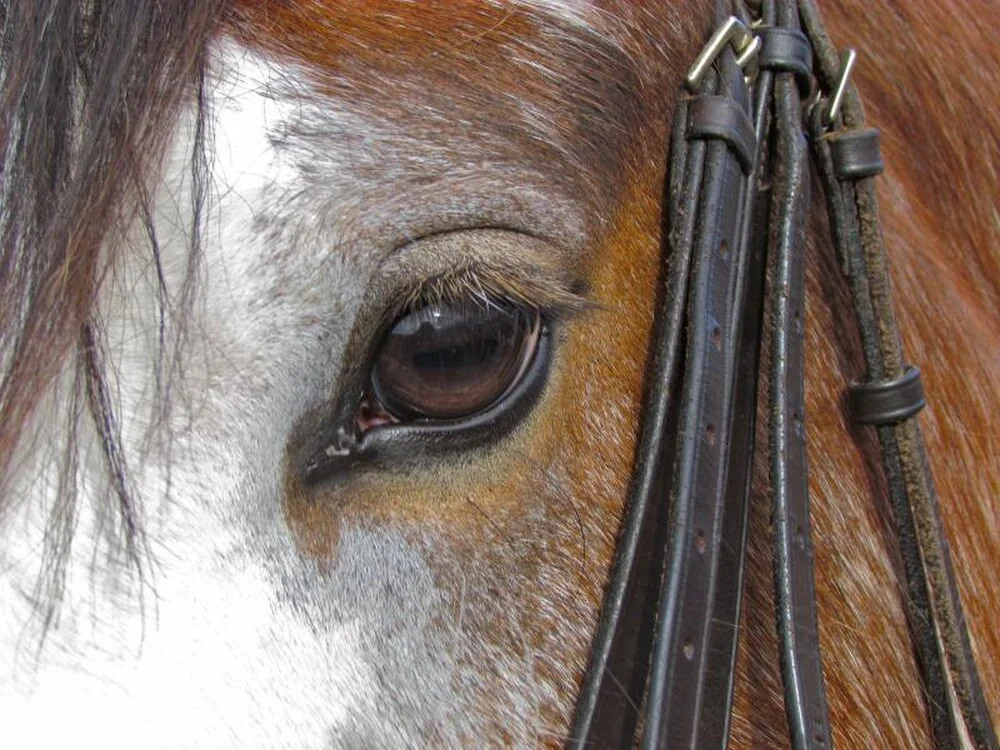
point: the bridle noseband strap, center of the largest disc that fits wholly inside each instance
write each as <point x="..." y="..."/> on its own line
<point x="662" y="668"/>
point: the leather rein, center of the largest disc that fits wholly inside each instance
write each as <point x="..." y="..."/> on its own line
<point x="663" y="661"/>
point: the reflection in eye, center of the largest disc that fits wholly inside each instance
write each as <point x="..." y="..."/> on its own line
<point x="449" y="361"/>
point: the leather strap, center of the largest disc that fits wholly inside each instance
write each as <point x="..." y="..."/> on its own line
<point x="794" y="590"/>
<point x="607" y="711"/>
<point x="722" y="647"/>
<point x="676" y="706"/>
<point x="664" y="656"/>
<point x="941" y="639"/>
<point x="687" y="456"/>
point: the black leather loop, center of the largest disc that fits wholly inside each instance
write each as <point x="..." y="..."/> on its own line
<point x="787" y="50"/>
<point x="720" y="117"/>
<point x="855" y="153"/>
<point x="664" y="655"/>
<point x="888" y="401"/>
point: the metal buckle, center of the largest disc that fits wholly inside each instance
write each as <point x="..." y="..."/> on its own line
<point x="733" y="32"/>
<point x="847" y="61"/>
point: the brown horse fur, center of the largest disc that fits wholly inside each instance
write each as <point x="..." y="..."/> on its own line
<point x="927" y="73"/>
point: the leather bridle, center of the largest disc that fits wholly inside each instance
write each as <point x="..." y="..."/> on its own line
<point x="663" y="661"/>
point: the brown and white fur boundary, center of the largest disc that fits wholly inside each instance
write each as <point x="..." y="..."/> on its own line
<point x="336" y="153"/>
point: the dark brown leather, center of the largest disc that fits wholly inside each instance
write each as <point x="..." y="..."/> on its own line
<point x="940" y="637"/>
<point x="721" y="117"/>
<point x="888" y="401"/>
<point x="679" y="674"/>
<point x="607" y="710"/>
<point x="855" y="153"/>
<point x="709" y="273"/>
<point x="786" y="49"/>
<point x="664" y="655"/>
<point x="794" y="590"/>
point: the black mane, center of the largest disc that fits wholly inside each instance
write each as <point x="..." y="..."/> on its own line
<point x="88" y="94"/>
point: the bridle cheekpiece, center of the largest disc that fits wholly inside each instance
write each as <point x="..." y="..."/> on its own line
<point x="768" y="86"/>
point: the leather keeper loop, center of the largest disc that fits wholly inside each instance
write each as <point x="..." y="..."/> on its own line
<point x="855" y="153"/>
<point x="787" y="50"/>
<point x="720" y="117"/>
<point x="888" y="401"/>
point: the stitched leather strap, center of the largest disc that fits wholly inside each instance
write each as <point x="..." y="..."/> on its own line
<point x="795" y="598"/>
<point x="607" y="711"/>
<point x="679" y="673"/>
<point x="687" y="694"/>
<point x="664" y="654"/>
<point x="941" y="639"/>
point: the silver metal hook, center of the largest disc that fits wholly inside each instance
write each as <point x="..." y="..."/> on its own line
<point x="746" y="56"/>
<point x="847" y="61"/>
<point x="733" y="32"/>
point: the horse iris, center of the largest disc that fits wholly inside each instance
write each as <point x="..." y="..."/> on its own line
<point x="449" y="361"/>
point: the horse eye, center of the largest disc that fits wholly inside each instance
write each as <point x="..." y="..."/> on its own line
<point x="451" y="361"/>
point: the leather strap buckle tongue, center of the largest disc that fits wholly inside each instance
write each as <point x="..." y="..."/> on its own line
<point x="847" y="61"/>
<point x="732" y="32"/>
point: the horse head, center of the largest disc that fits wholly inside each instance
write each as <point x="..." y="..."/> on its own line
<point x="327" y="334"/>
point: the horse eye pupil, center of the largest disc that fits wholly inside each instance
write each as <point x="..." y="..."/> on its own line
<point x="452" y="357"/>
<point x="453" y="361"/>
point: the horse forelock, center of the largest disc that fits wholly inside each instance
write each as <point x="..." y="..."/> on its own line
<point x="562" y="85"/>
<point x="88" y="94"/>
